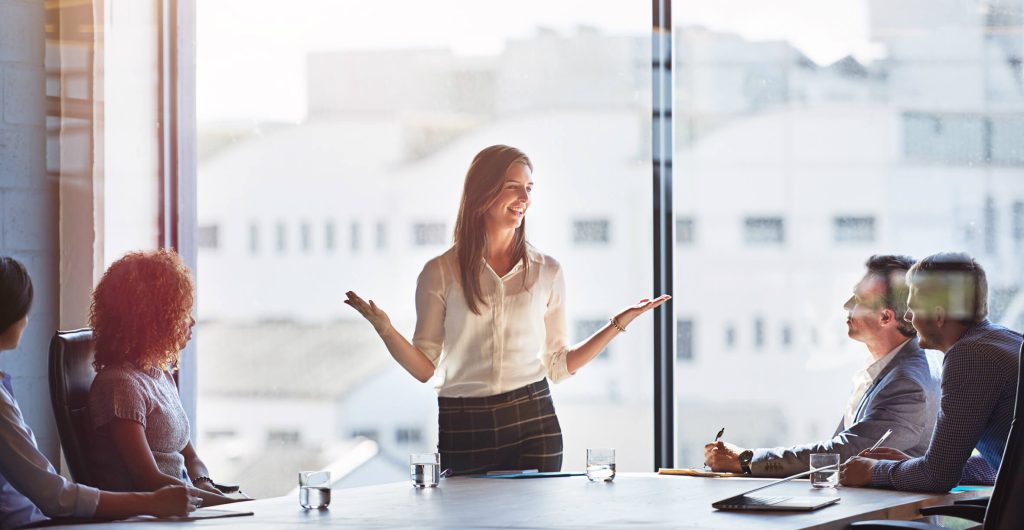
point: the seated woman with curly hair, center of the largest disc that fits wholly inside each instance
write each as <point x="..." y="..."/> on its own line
<point x="31" y="491"/>
<point x="142" y="318"/>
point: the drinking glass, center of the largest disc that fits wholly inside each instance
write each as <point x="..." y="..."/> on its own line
<point x="425" y="469"/>
<point x="314" y="489"/>
<point x="601" y="465"/>
<point x="828" y="478"/>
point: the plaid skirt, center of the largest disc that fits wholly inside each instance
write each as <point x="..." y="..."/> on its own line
<point x="514" y="430"/>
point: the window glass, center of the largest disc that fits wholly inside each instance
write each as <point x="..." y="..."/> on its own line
<point x="832" y="130"/>
<point x="332" y="114"/>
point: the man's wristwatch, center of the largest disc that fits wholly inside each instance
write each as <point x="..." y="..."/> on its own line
<point x="745" y="457"/>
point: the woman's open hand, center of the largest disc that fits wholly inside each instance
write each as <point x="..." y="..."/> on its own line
<point x="628" y="314"/>
<point x="370" y="312"/>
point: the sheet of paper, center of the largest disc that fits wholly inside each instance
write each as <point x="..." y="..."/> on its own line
<point x="691" y="472"/>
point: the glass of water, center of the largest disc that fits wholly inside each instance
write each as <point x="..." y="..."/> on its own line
<point x="601" y="465"/>
<point x="425" y="469"/>
<point x="314" y="489"/>
<point x="828" y="478"/>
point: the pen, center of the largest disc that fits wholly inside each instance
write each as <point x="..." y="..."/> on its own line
<point x="722" y="431"/>
<point x="880" y="440"/>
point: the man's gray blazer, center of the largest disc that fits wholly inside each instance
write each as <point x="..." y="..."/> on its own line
<point x="904" y="397"/>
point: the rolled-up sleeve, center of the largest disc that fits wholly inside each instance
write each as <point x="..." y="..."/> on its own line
<point x="430" y="311"/>
<point x="555" y="346"/>
<point x="30" y="473"/>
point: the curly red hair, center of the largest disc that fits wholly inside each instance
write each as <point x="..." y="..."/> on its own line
<point x="141" y="310"/>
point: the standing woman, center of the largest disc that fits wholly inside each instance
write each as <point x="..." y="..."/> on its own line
<point x="491" y="323"/>
<point x="30" y="489"/>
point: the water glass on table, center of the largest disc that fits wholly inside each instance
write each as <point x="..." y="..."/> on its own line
<point x="601" y="465"/>
<point x="314" y="489"/>
<point x="826" y="478"/>
<point x="425" y="469"/>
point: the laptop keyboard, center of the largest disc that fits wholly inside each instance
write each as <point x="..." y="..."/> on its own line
<point x="763" y="501"/>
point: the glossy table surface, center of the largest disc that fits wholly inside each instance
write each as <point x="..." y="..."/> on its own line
<point x="632" y="500"/>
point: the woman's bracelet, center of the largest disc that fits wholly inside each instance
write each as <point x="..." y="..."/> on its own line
<point x="201" y="478"/>
<point x="615" y="323"/>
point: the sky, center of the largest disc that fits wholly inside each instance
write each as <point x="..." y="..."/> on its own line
<point x="251" y="53"/>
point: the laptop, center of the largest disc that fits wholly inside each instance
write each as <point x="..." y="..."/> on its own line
<point x="745" y="501"/>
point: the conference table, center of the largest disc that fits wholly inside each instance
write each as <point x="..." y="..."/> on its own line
<point x="632" y="500"/>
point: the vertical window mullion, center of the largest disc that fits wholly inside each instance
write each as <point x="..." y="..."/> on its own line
<point x="661" y="153"/>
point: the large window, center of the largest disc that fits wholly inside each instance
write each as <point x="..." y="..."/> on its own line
<point x="859" y="127"/>
<point x="333" y="153"/>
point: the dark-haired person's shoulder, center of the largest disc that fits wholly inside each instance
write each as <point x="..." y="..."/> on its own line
<point x="994" y="339"/>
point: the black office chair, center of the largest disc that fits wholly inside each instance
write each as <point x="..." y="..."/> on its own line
<point x="71" y="375"/>
<point x="999" y="512"/>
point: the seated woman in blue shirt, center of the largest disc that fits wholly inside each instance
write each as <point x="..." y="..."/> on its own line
<point x="30" y="489"/>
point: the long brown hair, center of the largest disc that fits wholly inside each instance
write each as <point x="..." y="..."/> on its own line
<point x="484" y="181"/>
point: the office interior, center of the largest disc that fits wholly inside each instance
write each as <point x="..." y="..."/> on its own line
<point x="745" y="157"/>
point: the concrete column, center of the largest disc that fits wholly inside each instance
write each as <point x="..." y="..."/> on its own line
<point x="29" y="207"/>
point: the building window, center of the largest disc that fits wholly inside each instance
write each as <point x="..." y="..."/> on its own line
<point x="850" y="229"/>
<point x="354" y="236"/>
<point x="764" y="230"/>
<point x="407" y="435"/>
<point x="586" y="328"/>
<point x="282" y="237"/>
<point x="1018" y="221"/>
<point x="684" y="338"/>
<point x="685" y="231"/>
<point x="590" y="231"/>
<point x="425" y="234"/>
<point x="206" y="236"/>
<point x="370" y="434"/>
<point x="1007" y="130"/>
<point x="730" y="336"/>
<point x="306" y="237"/>
<point x="382" y="235"/>
<point x="330" y="237"/>
<point x="948" y="138"/>
<point x="759" y="333"/>
<point x="220" y="434"/>
<point x="283" y="437"/>
<point x="787" y="336"/>
<point x="254" y="238"/>
<point x="991" y="233"/>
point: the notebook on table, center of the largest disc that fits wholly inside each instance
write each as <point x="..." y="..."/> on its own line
<point x="745" y="501"/>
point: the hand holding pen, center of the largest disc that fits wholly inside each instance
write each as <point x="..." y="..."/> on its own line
<point x="877" y="452"/>
<point x="717" y="438"/>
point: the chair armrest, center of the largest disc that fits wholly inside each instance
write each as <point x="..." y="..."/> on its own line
<point x="976" y="501"/>
<point x="963" y="511"/>
<point x="890" y="525"/>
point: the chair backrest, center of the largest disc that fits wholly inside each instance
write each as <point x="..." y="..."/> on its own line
<point x="71" y="375"/>
<point x="1005" y="509"/>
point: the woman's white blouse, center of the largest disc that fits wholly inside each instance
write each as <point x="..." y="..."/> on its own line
<point x="517" y="339"/>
